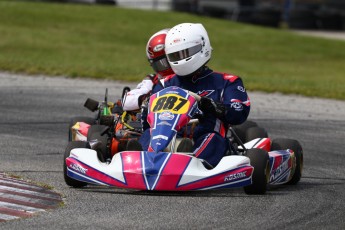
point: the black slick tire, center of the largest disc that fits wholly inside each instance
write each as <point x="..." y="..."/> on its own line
<point x="260" y="161"/>
<point x="255" y="132"/>
<point x="72" y="145"/>
<point x="241" y="129"/>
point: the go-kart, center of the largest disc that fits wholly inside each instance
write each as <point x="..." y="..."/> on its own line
<point x="111" y="126"/>
<point x="253" y="165"/>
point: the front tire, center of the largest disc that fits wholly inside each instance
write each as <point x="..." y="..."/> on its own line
<point x="70" y="181"/>
<point x="282" y="144"/>
<point x="260" y="161"/>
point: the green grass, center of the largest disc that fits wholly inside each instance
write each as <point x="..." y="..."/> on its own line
<point x="109" y="42"/>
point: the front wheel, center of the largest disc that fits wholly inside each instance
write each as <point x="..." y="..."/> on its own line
<point x="260" y="161"/>
<point x="73" y="145"/>
<point x="282" y="144"/>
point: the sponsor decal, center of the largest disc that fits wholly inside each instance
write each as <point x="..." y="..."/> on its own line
<point x="176" y="40"/>
<point x="160" y="137"/>
<point x="240" y="88"/>
<point x="205" y="93"/>
<point x="158" y="48"/>
<point x="172" y="92"/>
<point x="237" y="106"/>
<point x="164" y="123"/>
<point x="78" y="168"/>
<point x="166" y="116"/>
<point x="235" y="176"/>
<point x="280" y="170"/>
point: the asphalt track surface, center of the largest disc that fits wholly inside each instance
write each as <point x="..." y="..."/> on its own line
<point x="34" y="115"/>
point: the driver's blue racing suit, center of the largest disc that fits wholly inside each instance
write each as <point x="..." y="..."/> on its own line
<point x="210" y="142"/>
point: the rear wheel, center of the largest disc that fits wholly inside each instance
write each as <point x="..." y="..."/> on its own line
<point x="255" y="132"/>
<point x="282" y="144"/>
<point x="241" y="129"/>
<point x="260" y="161"/>
<point x="74" y="120"/>
<point x="94" y="133"/>
<point x="72" y="145"/>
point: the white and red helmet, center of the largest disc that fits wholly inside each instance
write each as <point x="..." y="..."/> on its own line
<point x="156" y="54"/>
<point x="187" y="48"/>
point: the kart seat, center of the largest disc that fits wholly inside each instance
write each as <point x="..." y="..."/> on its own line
<point x="185" y="145"/>
<point x="182" y="145"/>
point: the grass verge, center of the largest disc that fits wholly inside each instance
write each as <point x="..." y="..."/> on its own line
<point x="109" y="42"/>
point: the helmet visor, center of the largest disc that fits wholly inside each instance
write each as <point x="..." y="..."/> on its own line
<point x="183" y="54"/>
<point x="160" y="64"/>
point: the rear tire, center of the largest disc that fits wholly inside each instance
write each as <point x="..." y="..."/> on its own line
<point x="282" y="144"/>
<point x="72" y="145"/>
<point x="74" y="120"/>
<point x="255" y="132"/>
<point x="95" y="134"/>
<point x="241" y="129"/>
<point x="260" y="161"/>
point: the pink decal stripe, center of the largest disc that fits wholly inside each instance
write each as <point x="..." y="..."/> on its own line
<point x="172" y="172"/>
<point x="93" y="173"/>
<point x="132" y="168"/>
<point x="277" y="160"/>
<point x="204" y="145"/>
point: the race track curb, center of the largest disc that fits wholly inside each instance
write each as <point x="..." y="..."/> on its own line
<point x="22" y="199"/>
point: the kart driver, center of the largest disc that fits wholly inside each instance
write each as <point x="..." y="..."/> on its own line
<point x="156" y="56"/>
<point x="224" y="100"/>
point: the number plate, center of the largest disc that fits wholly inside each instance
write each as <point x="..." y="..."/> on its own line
<point x="170" y="102"/>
